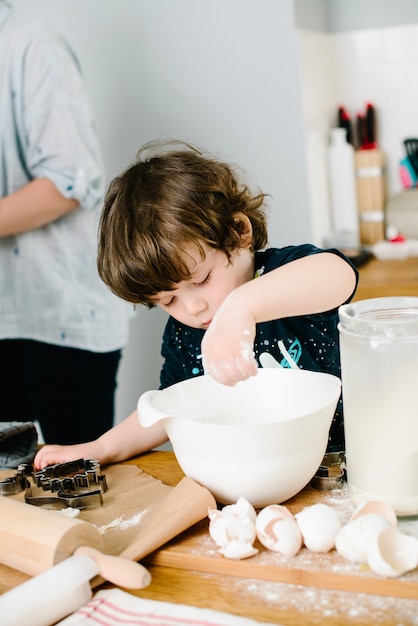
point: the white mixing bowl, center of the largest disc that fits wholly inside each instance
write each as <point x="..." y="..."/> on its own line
<point x="262" y="439"/>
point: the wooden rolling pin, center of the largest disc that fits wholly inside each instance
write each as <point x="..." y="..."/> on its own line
<point x="33" y="539"/>
<point x="187" y="503"/>
<point x="63" y="555"/>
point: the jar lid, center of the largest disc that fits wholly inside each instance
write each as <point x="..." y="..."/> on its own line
<point x="391" y="317"/>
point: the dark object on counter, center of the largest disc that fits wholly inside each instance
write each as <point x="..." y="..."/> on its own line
<point x="78" y="484"/>
<point x="411" y="147"/>
<point x="366" y="129"/>
<point x="358" y="256"/>
<point x="15" y="482"/>
<point x="344" y="121"/>
<point x="360" y="130"/>
<point x="331" y="474"/>
<point x="370" y="122"/>
<point x="18" y="443"/>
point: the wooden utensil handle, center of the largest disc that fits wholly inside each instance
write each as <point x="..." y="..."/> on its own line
<point x="117" y="570"/>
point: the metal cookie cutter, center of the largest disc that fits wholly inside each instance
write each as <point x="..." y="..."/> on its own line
<point x="15" y="483"/>
<point x="78" y="484"/>
<point x="331" y="474"/>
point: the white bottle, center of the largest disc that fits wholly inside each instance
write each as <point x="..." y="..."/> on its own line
<point x="343" y="190"/>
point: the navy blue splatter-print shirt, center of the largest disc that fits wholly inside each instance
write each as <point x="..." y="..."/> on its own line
<point x="309" y="342"/>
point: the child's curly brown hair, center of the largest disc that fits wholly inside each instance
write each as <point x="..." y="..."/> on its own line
<point x="171" y="196"/>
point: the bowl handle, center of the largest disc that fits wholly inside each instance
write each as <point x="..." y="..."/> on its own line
<point x="148" y="414"/>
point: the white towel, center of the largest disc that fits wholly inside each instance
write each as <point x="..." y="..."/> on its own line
<point x="114" y="607"/>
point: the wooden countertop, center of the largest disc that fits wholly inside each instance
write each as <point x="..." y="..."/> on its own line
<point x="388" y="278"/>
<point x="261" y="600"/>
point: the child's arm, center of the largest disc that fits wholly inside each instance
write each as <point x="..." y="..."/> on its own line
<point x="121" y="442"/>
<point x="313" y="284"/>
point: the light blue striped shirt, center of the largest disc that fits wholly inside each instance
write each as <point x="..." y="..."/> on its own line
<point x="49" y="286"/>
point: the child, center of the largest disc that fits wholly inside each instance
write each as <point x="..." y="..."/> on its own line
<point x="180" y="231"/>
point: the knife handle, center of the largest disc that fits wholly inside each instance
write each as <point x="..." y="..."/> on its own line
<point x="360" y="131"/>
<point x="370" y="127"/>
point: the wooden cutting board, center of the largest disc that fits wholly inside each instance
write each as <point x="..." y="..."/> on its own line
<point x="195" y="550"/>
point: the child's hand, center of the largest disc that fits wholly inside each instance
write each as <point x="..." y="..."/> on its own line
<point x="51" y="454"/>
<point x="227" y="346"/>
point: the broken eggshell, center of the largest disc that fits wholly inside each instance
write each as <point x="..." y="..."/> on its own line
<point x="354" y="539"/>
<point x="233" y="529"/>
<point x="237" y="550"/>
<point x="376" y="506"/>
<point x="319" y="525"/>
<point x="278" y="530"/>
<point x="242" y="508"/>
<point x="226" y="528"/>
<point x="393" y="553"/>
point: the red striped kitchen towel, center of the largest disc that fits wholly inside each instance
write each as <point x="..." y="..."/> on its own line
<point x="114" y="607"/>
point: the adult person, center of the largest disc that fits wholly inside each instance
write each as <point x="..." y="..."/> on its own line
<point x="61" y="329"/>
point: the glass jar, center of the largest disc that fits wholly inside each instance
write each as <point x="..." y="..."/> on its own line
<point x="379" y="372"/>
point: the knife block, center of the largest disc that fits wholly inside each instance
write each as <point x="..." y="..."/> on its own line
<point x="370" y="195"/>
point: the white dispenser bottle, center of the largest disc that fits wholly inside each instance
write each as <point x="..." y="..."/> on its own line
<point x="343" y="189"/>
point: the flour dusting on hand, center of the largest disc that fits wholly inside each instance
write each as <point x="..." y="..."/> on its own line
<point x="247" y="351"/>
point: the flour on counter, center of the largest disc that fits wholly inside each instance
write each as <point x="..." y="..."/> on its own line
<point x="121" y="523"/>
<point x="69" y="511"/>
<point x="322" y="603"/>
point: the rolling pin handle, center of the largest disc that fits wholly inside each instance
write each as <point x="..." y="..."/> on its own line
<point x="117" y="570"/>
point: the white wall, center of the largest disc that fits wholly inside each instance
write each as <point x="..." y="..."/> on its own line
<point x="342" y="16"/>
<point x="221" y="73"/>
<point x="368" y="14"/>
<point x="317" y="74"/>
